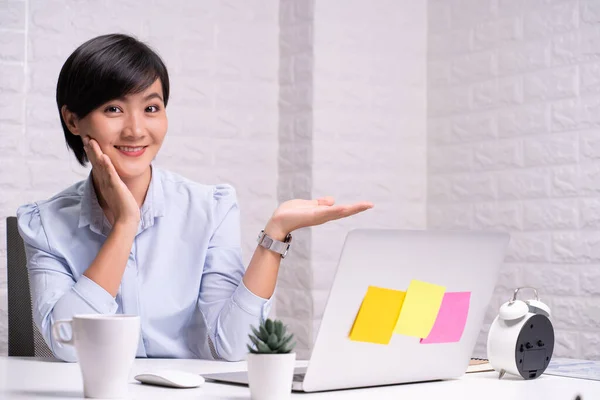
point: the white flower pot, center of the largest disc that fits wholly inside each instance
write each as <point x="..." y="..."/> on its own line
<point x="270" y="375"/>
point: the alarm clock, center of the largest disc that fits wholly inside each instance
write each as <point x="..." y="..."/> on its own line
<point x="521" y="337"/>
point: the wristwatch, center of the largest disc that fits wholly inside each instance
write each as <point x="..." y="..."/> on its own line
<point x="275" y="245"/>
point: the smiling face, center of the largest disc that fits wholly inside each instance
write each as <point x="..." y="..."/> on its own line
<point x="129" y="130"/>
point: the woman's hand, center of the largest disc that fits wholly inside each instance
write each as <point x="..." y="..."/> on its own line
<point x="116" y="194"/>
<point x="295" y="214"/>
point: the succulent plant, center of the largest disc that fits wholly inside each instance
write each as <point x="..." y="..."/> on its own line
<point x="270" y="338"/>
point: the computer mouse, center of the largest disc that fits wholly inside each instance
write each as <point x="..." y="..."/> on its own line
<point x="171" y="378"/>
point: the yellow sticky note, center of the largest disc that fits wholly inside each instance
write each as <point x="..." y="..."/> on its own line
<point x="420" y="309"/>
<point x="377" y="315"/>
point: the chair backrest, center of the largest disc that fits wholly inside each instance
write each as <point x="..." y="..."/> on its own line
<point x="24" y="339"/>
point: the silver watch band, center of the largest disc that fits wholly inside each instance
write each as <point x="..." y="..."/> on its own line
<point x="275" y="245"/>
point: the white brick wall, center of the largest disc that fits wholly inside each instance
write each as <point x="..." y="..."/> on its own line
<point x="294" y="302"/>
<point x="369" y="132"/>
<point x="499" y="100"/>
<point x="513" y="117"/>
<point x="352" y="125"/>
<point x="223" y="62"/>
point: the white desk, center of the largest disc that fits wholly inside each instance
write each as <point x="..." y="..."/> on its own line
<point x="28" y="378"/>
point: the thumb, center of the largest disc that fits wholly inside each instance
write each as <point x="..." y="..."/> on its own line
<point x="325" y="201"/>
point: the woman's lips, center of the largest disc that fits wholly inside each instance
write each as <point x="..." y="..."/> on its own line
<point x="131" y="151"/>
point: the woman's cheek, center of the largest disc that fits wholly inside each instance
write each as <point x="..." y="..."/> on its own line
<point x="159" y="126"/>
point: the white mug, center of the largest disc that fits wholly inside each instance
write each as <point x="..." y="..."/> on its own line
<point x="106" y="346"/>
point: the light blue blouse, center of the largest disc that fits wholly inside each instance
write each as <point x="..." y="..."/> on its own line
<point x="183" y="276"/>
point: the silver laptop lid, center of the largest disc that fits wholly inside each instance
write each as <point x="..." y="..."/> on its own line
<point x="459" y="261"/>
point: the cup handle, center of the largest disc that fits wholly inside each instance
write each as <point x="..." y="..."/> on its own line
<point x="57" y="335"/>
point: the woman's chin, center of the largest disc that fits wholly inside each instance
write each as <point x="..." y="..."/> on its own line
<point x="129" y="172"/>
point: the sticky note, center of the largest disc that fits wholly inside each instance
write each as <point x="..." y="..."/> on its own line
<point x="420" y="309"/>
<point x="451" y="319"/>
<point x="377" y="315"/>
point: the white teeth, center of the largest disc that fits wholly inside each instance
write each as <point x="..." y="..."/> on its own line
<point x="129" y="149"/>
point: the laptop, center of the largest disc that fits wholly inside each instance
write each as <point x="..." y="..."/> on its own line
<point x="388" y="258"/>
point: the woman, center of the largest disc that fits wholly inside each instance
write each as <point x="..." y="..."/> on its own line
<point x="136" y="239"/>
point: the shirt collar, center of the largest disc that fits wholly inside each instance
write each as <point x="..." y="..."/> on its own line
<point x="154" y="205"/>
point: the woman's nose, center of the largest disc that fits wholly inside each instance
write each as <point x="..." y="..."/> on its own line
<point x="134" y="126"/>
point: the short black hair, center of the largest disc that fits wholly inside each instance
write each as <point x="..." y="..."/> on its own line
<point x="102" y="69"/>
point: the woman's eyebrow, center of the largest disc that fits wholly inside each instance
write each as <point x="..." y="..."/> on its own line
<point x="153" y="96"/>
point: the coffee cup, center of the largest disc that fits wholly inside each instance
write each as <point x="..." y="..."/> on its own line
<point x="106" y="346"/>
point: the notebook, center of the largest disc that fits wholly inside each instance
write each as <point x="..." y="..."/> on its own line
<point x="479" y="365"/>
<point x="574" y="368"/>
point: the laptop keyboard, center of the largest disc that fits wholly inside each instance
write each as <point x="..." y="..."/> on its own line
<point x="299" y="377"/>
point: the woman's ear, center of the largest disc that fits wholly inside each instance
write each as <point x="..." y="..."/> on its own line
<point x="71" y="120"/>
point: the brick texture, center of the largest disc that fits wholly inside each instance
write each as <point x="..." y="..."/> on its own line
<point x="369" y="122"/>
<point x="294" y="303"/>
<point x="513" y="117"/>
<point x="347" y="85"/>
<point x="469" y="114"/>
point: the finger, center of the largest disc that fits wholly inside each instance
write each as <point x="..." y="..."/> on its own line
<point x="347" y="211"/>
<point x="110" y="168"/>
<point x="357" y="209"/>
<point x="366" y="204"/>
<point x="329" y="213"/>
<point x="92" y="149"/>
<point x="325" y="201"/>
<point x="360" y="206"/>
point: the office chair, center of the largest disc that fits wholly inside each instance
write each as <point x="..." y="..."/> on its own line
<point x="24" y="339"/>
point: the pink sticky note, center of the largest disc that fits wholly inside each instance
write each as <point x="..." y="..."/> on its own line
<point x="451" y="319"/>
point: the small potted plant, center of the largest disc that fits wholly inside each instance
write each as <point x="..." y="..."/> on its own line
<point x="271" y="361"/>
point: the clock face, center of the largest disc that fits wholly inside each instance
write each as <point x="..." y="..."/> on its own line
<point x="534" y="348"/>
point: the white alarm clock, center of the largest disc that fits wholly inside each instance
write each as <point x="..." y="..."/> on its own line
<point x="521" y="338"/>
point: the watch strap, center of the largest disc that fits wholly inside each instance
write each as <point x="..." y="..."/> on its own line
<point x="277" y="246"/>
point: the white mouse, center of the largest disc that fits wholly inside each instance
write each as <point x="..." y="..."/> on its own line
<point x="171" y="378"/>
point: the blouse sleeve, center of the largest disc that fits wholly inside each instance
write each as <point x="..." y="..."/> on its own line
<point x="229" y="308"/>
<point x="55" y="294"/>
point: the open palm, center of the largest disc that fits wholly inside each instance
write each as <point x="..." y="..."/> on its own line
<point x="297" y="213"/>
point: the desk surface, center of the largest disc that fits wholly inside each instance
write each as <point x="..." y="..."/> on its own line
<point x="27" y="378"/>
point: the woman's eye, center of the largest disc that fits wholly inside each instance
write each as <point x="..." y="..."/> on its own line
<point x="152" y="109"/>
<point x="112" y="109"/>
